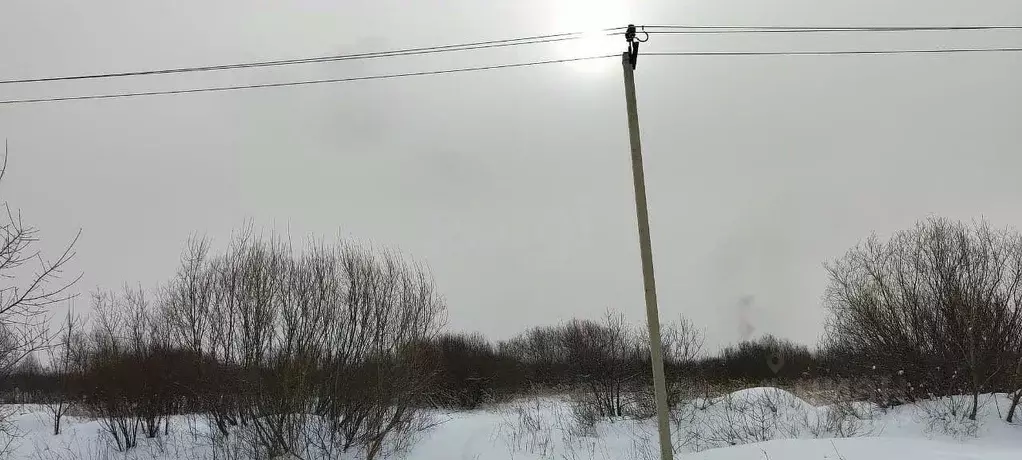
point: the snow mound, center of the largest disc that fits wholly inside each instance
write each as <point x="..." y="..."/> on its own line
<point x="762" y="414"/>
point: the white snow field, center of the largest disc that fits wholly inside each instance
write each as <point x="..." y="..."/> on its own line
<point x="757" y="423"/>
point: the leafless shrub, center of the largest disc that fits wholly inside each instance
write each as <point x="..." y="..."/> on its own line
<point x="840" y="420"/>
<point x="848" y="419"/>
<point x="605" y="361"/>
<point x="316" y="348"/>
<point x="934" y="311"/>
<point x="949" y="415"/>
<point x="585" y="411"/>
<point x="548" y="428"/>
<point x="524" y="429"/>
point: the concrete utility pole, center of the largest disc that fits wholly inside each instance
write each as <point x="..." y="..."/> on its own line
<point x="642" y="213"/>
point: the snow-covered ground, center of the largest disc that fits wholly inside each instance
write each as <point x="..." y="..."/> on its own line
<point x="758" y="423"/>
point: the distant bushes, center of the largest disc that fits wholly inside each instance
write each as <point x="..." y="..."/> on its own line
<point x="470" y="370"/>
<point x="764" y="359"/>
<point x="608" y="360"/>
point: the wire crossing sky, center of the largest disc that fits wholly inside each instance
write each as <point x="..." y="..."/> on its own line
<point x="343" y="57"/>
<point x="529" y="40"/>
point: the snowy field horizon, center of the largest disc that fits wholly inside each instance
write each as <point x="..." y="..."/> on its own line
<point x="754" y="423"/>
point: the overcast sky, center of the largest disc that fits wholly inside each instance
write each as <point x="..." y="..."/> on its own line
<point x="514" y="185"/>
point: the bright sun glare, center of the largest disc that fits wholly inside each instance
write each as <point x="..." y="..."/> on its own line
<point x="589" y="16"/>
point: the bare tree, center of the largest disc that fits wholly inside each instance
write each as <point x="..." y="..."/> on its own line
<point x="189" y="296"/>
<point x="31" y="284"/>
<point x="111" y="376"/>
<point x="604" y="360"/>
<point x="682" y="342"/>
<point x="64" y="367"/>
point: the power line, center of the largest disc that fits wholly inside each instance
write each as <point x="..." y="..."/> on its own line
<point x="833" y="53"/>
<point x="531" y="40"/>
<point x="788" y="31"/>
<point x="505" y="66"/>
<point x="798" y="29"/>
<point x="537" y="39"/>
<point x="300" y="83"/>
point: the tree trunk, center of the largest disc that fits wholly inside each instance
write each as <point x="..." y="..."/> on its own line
<point x="975" y="404"/>
<point x="1014" y="403"/>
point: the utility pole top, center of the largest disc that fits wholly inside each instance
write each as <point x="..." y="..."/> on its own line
<point x="632" y="54"/>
